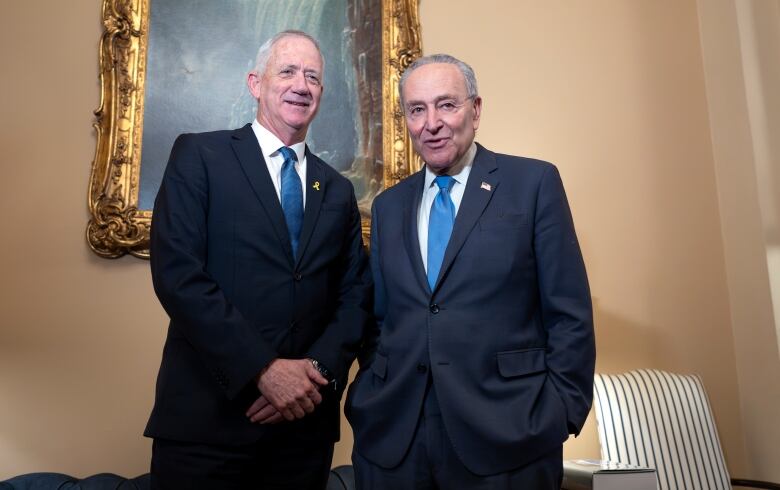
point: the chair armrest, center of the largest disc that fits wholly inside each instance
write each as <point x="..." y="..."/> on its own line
<point x="740" y="482"/>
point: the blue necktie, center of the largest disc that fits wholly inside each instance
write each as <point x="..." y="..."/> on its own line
<point x="292" y="197"/>
<point x="440" y="224"/>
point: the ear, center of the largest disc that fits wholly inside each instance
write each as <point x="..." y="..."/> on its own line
<point x="253" y="82"/>
<point x="477" y="111"/>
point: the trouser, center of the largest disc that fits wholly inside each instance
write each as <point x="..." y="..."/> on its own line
<point x="431" y="464"/>
<point x="267" y="465"/>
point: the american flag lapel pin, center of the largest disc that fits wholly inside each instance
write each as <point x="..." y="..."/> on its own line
<point x="485" y="186"/>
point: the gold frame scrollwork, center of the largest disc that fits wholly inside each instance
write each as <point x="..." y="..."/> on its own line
<point x="117" y="227"/>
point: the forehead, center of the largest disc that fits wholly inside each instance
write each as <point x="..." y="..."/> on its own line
<point x="434" y="80"/>
<point x="296" y="50"/>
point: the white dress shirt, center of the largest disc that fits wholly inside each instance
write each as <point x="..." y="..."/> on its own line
<point x="460" y="173"/>
<point x="269" y="145"/>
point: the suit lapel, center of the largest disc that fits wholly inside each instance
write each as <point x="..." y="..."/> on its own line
<point x="475" y="198"/>
<point x="411" y="239"/>
<point x="315" y="190"/>
<point x="251" y="159"/>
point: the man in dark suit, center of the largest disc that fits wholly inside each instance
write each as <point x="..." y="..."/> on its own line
<point x="257" y="257"/>
<point x="482" y="361"/>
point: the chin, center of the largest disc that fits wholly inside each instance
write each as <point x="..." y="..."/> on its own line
<point x="438" y="162"/>
<point x="297" y="122"/>
<point x="298" y="113"/>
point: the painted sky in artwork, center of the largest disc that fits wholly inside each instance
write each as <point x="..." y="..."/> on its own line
<point x="200" y="52"/>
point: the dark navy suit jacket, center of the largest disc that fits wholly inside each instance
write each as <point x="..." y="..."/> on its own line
<point x="506" y="334"/>
<point x="223" y="269"/>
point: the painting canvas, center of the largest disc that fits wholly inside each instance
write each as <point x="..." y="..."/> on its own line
<point x="196" y="79"/>
<point x="174" y="66"/>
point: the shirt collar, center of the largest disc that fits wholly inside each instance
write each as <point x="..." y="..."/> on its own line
<point x="459" y="171"/>
<point x="270" y="144"/>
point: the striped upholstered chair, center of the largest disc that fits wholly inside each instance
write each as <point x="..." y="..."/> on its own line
<point x="664" y="421"/>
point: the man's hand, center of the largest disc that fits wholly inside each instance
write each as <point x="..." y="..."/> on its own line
<point x="291" y="386"/>
<point x="263" y="412"/>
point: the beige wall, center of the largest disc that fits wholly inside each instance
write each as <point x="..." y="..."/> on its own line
<point x="80" y="337"/>
<point x="612" y="91"/>
<point x="740" y="52"/>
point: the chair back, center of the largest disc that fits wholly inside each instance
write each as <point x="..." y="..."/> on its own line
<point x="660" y="420"/>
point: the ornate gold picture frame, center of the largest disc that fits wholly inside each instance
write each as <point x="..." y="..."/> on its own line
<point x="118" y="226"/>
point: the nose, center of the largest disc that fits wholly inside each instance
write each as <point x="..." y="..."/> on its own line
<point x="433" y="122"/>
<point x="299" y="84"/>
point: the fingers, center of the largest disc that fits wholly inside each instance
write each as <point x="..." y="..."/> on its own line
<point x="315" y="397"/>
<point x="298" y="411"/>
<point x="305" y="401"/>
<point x="306" y="404"/>
<point x="290" y="387"/>
<point x="310" y="397"/>
<point x="264" y="414"/>
<point x="287" y="414"/>
<point x="258" y="405"/>
<point x="273" y="419"/>
<point x="315" y="375"/>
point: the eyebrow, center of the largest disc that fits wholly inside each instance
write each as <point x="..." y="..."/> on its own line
<point x="298" y="67"/>
<point x="436" y="100"/>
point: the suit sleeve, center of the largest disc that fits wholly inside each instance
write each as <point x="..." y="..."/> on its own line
<point x="227" y="343"/>
<point x="565" y="301"/>
<point x="338" y="345"/>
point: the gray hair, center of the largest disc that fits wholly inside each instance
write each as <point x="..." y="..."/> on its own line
<point x="465" y="69"/>
<point x="264" y="53"/>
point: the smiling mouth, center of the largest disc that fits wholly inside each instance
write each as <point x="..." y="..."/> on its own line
<point x="297" y="104"/>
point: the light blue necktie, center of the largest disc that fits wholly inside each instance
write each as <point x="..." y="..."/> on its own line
<point x="292" y="197"/>
<point x="440" y="224"/>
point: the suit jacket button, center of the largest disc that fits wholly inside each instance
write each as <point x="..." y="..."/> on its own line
<point x="434" y="308"/>
<point x="297" y="276"/>
<point x="422" y="368"/>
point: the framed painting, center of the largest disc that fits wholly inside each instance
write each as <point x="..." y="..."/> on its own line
<point x="174" y="66"/>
